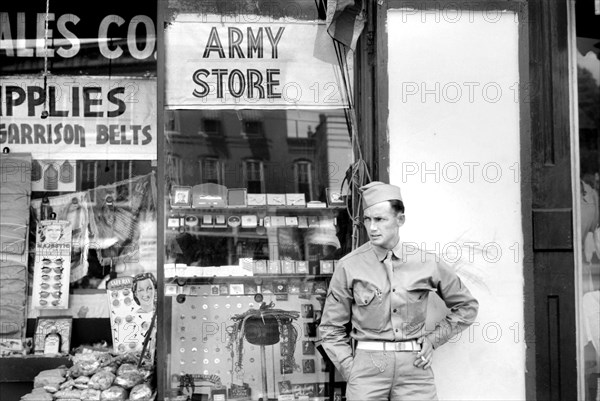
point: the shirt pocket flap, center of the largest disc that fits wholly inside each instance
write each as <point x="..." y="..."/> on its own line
<point x="364" y="293"/>
<point x="420" y="290"/>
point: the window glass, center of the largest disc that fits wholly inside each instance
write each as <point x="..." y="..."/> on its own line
<point x="249" y="102"/>
<point x="588" y="89"/>
<point x="78" y="88"/>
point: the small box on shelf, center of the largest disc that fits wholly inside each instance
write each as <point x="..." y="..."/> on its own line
<point x="247" y="264"/>
<point x="254" y="200"/>
<point x="301" y="267"/>
<point x="250" y="288"/>
<point x="207" y="221"/>
<point x="236" y="289"/>
<point x="288" y="267"/>
<point x="236" y="197"/>
<point x="276" y="199"/>
<point x="291" y="221"/>
<point x="326" y="266"/>
<point x="249" y="221"/>
<point x="274" y="267"/>
<point x="181" y="196"/>
<point x="280" y="287"/>
<point x="220" y="221"/>
<point x="260" y="267"/>
<point x="295" y="200"/>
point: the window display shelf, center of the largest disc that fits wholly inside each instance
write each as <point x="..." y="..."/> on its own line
<point x="185" y="280"/>
<point x="258" y="209"/>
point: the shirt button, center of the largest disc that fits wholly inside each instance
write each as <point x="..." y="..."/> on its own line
<point x="395" y="310"/>
<point x="394" y="290"/>
<point x="396" y="330"/>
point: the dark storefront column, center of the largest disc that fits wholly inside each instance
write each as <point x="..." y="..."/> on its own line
<point x="556" y="377"/>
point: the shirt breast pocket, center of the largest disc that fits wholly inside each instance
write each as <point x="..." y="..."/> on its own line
<point x="369" y="312"/>
<point x="417" y="303"/>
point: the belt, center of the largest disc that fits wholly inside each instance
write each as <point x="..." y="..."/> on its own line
<point x="400" y="346"/>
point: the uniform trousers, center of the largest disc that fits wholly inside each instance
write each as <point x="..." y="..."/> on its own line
<point x="385" y="375"/>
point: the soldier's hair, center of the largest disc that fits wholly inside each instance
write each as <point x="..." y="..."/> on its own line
<point x="397" y="205"/>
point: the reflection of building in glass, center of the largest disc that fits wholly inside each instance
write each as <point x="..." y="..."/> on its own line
<point x="211" y="170"/>
<point x="265" y="151"/>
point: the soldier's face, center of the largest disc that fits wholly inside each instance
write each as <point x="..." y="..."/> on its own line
<point x="382" y="224"/>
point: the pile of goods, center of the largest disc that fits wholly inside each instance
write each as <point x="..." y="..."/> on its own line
<point x="95" y="376"/>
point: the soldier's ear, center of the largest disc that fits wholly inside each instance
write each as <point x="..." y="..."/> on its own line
<point x="401" y="218"/>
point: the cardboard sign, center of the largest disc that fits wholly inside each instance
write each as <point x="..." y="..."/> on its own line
<point x="52" y="265"/>
<point x="132" y="302"/>
<point x="88" y="117"/>
<point x="216" y="64"/>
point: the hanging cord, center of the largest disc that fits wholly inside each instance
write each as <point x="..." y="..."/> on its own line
<point x="45" y="111"/>
<point x="357" y="174"/>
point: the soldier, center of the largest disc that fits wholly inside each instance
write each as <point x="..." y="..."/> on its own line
<point x="382" y="290"/>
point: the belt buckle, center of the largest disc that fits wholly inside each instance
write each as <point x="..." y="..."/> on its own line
<point x="393" y="346"/>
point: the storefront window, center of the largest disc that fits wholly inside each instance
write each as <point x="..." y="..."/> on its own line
<point x="78" y="117"/>
<point x="588" y="90"/>
<point x="251" y="232"/>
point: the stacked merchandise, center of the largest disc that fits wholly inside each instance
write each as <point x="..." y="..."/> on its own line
<point x="15" y="191"/>
<point x="96" y="375"/>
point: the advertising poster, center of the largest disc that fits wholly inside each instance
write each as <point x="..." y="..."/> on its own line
<point x="87" y="117"/>
<point x="132" y="304"/>
<point x="52" y="265"/>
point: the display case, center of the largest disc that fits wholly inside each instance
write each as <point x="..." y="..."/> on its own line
<point x="246" y="273"/>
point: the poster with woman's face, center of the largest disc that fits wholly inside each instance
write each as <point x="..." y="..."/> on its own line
<point x="144" y="291"/>
<point x="132" y="302"/>
<point x="52" y="265"/>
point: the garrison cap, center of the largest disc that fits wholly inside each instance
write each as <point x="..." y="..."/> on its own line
<point x="378" y="191"/>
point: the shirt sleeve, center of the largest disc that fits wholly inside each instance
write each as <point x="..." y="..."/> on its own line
<point x="336" y="315"/>
<point x="457" y="297"/>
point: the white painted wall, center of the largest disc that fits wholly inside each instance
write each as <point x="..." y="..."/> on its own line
<point x="454" y="150"/>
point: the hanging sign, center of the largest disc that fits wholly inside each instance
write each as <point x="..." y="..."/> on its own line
<point x="79" y="117"/>
<point x="267" y="64"/>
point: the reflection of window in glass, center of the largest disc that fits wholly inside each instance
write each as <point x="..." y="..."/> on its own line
<point x="252" y="129"/>
<point x="89" y="174"/>
<point x="174" y="168"/>
<point x="303" y="178"/>
<point x="588" y="92"/>
<point x="303" y="123"/>
<point x="254" y="175"/>
<point x="210" y="127"/>
<point x="123" y="169"/>
<point x="211" y="170"/>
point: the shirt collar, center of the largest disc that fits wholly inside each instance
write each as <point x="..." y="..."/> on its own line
<point x="381" y="253"/>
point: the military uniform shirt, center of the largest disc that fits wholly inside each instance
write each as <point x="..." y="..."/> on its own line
<point x="388" y="301"/>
